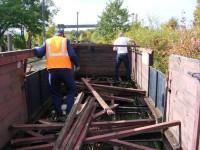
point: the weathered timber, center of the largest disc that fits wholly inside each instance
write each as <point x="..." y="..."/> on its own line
<point x="131" y="132"/>
<point x="26" y="140"/>
<point x="104" y="111"/>
<point x="69" y="121"/>
<point x="97" y="96"/>
<point x="129" y="145"/>
<point x="141" y="122"/>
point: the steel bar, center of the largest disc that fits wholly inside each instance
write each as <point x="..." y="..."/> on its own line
<point x="37" y="126"/>
<point x="33" y="139"/>
<point x="111" y="129"/>
<point x="97" y="96"/>
<point x="131" y="132"/>
<point x="73" y="136"/>
<point x="117" y="98"/>
<point x="115" y="88"/>
<point x="84" y="130"/>
<point x="34" y="134"/>
<point x="124" y="123"/>
<point x="69" y="121"/>
<point x="104" y="111"/>
<point x="129" y="145"/>
<point x="38" y="147"/>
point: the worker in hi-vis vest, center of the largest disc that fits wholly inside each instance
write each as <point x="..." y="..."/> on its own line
<point x="60" y="57"/>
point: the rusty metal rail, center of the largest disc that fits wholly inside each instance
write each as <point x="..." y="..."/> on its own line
<point x="91" y="125"/>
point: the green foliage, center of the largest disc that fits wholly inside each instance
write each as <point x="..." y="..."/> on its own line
<point x="24" y="15"/>
<point x="113" y="19"/>
<point x="19" y="42"/>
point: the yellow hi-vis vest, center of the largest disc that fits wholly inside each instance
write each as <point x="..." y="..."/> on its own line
<point x="57" y="53"/>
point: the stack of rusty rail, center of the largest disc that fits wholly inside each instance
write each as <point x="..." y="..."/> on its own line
<point x="85" y="125"/>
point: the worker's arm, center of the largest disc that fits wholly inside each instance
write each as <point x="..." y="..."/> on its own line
<point x="72" y="54"/>
<point x="40" y="51"/>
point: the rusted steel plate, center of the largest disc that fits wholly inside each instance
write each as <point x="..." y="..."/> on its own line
<point x="131" y="132"/>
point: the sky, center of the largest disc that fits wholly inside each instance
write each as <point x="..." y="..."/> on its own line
<point x="158" y="10"/>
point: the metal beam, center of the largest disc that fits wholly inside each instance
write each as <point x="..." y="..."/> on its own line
<point x="131" y="132"/>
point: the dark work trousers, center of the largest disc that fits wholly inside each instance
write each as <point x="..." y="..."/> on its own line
<point x="119" y="59"/>
<point x="56" y="77"/>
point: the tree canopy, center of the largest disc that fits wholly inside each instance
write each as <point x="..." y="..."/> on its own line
<point x="24" y="15"/>
<point x="113" y="19"/>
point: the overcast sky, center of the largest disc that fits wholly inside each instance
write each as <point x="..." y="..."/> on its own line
<point x="89" y="10"/>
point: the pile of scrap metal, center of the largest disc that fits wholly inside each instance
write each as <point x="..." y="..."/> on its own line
<point x="93" y="119"/>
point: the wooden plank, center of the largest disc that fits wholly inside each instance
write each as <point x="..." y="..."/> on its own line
<point x="131" y="132"/>
<point x="129" y="145"/>
<point x="124" y="123"/>
<point x="98" y="97"/>
<point x="69" y="121"/>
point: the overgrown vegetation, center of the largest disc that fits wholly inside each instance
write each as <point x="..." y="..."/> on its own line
<point x="171" y="37"/>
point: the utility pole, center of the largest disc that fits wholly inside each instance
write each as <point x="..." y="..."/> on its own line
<point x="43" y="20"/>
<point x="77" y="26"/>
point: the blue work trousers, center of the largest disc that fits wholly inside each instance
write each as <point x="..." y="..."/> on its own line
<point x="56" y="78"/>
<point x="119" y="59"/>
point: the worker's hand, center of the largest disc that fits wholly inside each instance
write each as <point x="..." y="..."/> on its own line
<point x="110" y="112"/>
<point x="77" y="68"/>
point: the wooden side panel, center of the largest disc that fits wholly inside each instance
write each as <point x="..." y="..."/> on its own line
<point x="12" y="100"/>
<point x="183" y="101"/>
<point x="96" y="60"/>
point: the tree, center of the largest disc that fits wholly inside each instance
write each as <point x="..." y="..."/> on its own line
<point x="171" y="24"/>
<point x="113" y="19"/>
<point x="24" y="15"/>
<point x="197" y="14"/>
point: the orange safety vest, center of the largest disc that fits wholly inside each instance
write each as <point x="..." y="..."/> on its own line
<point x="57" y="53"/>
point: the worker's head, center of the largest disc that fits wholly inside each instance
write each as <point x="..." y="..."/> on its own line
<point x="60" y="32"/>
<point x="121" y="34"/>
